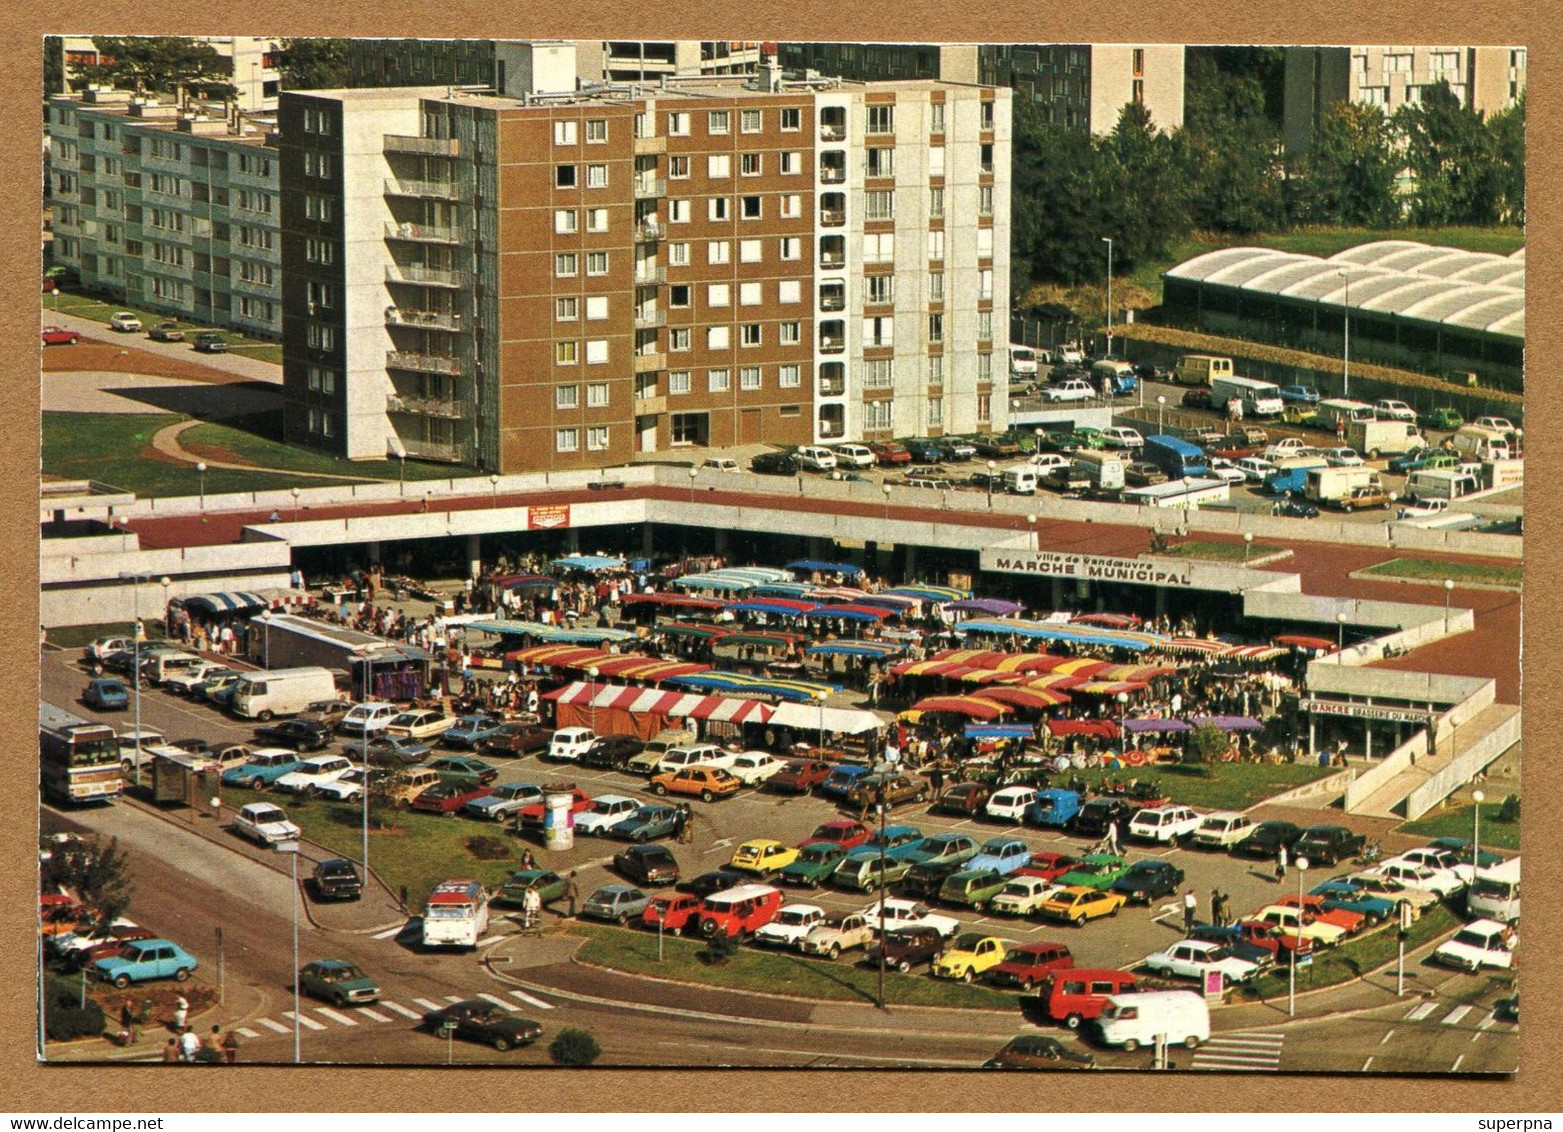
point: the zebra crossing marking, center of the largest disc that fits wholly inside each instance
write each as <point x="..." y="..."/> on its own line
<point x="245" y="1033"/>
<point x="304" y="1020"/>
<point x="1454" y="1016"/>
<point x="537" y="1002"/>
<point x="402" y="1010"/>
<point x="365" y="1012"/>
<point x="496" y="1000"/>
<point x="1421" y="1010"/>
<point x="270" y="1025"/>
<point x="427" y="1005"/>
<point x="335" y="1016"/>
<point x="454" y="998"/>
<point x="1250" y="1052"/>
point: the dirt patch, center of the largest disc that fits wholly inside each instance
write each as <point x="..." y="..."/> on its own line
<point x="92" y="354"/>
<point x="215" y="453"/>
<point x="147" y="452"/>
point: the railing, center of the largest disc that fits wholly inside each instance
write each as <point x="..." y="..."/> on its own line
<point x="423" y="320"/>
<point x="421" y="233"/>
<point x="429" y="276"/>
<point x="650" y="362"/>
<point x="422" y="363"/>
<point x="653" y="144"/>
<point x="430" y="147"/>
<point x="829" y="175"/>
<point x="833" y="387"/>
<point x="649" y="230"/>
<point x="425" y="406"/>
<point x="832" y="259"/>
<point x="650" y="187"/>
<point x="256" y="287"/>
<point x="652" y="405"/>
<point x="655" y="273"/>
<point x="832" y="133"/>
<point x="451" y="452"/>
<point x="441" y="190"/>
<point x="832" y="302"/>
<point x="831" y="430"/>
<point x="832" y="217"/>
<point x="650" y="319"/>
<point x="832" y="345"/>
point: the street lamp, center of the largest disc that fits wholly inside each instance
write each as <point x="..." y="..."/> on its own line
<point x="991" y="467"/>
<point x="1448" y="593"/>
<point x="887" y="502"/>
<point x="295" y="494"/>
<point x="401" y="473"/>
<point x="1031" y="522"/>
<point x="1345" y="378"/>
<point x="1161" y="406"/>
<point x="135" y="580"/>
<point x="1340" y="638"/>
<point x="1476" y="835"/>
<point x="694" y="474"/>
<point x="1248" y="542"/>
<point x="1123" y="711"/>
<point x="591" y="674"/>
<point x="200" y="472"/>
<point x="1108" y="241"/>
<point x="493" y="483"/>
<point x="1291" y="994"/>
<point x="291" y="848"/>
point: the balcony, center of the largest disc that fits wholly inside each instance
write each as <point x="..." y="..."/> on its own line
<point x="649" y="231"/>
<point x="651" y="406"/>
<point x="651" y="362"/>
<point x="648" y="274"/>
<point x="651" y="145"/>
<point x="832" y="133"/>
<point x="832" y="302"/>
<point x="423" y="320"/>
<point x="832" y="217"/>
<point x="425" y="276"/>
<point x="833" y="259"/>
<point x="832" y="430"/>
<point x="650" y="318"/>
<point x="829" y="176"/>
<point x="832" y="345"/>
<point x="434" y="190"/>
<point x="442" y="408"/>
<point x="244" y="286"/>
<point x="446" y="452"/>
<point x="422" y="363"/>
<point x="833" y="387"/>
<point x="421" y="233"/>
<point x="645" y="187"/>
<point x="422" y="147"/>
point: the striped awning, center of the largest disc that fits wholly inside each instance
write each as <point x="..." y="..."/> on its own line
<point x="655" y="701"/>
<point x="1109" y="687"/>
<point x="935" y="594"/>
<point x="856" y="648"/>
<point x="650" y="668"/>
<point x="1195" y="644"/>
<point x="973" y="706"/>
<point x="674" y="601"/>
<point x="1037" y="698"/>
<point x="559" y="656"/>
<point x="232" y="601"/>
<point x="776" y="606"/>
<point x="851" y="612"/>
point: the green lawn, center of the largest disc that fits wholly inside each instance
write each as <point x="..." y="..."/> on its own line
<point x="778" y="973"/>
<point x="1230" y="786"/>
<point x="1352" y="960"/>
<point x="251" y="446"/>
<point x="1424" y="570"/>
<point x="1221" y="551"/>
<point x="1459" y="821"/>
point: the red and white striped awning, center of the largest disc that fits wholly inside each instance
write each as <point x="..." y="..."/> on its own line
<point x="655" y="701"/>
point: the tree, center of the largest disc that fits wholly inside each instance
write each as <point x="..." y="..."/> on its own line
<point x="1205" y="745"/>
<point x="159" y="63"/>
<point x="1452" y="158"/>
<point x="1059" y="209"/>
<point x="574" y="1047"/>
<point x="1508" y="131"/>
<point x="314" y="64"/>
<point x="53" y="65"/>
<point x="1348" y="177"/>
<point x="1229" y="153"/>
<point x="1148" y="207"/>
<point x="99" y="874"/>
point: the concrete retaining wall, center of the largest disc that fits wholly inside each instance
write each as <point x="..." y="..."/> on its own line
<point x="1467" y="764"/>
<point x="104" y="604"/>
<point x="1369" y="781"/>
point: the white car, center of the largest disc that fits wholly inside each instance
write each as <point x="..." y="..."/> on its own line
<point x="677" y="758"/>
<point x="1119" y="437"/>
<point x="1021" y="896"/>
<point x="1254" y="468"/>
<point x="814" y="459"/>
<point x="313" y="771"/>
<point x="753" y="768"/>
<point x="1009" y="804"/>
<point x="348" y="788"/>
<point x="421" y="724"/>
<point x="792" y="923"/>
<point x="1342" y="458"/>
<point x="720" y="464"/>
<point x="1481" y="943"/>
<point x="265" y="823"/>
<point x="853" y="456"/>
<point x="1222" y="830"/>
<point x="181" y="683"/>
<point x="1046" y="462"/>
<point x="367" y="718"/>
<point x="1387" y="410"/>
<point x="124" y="321"/>
<point x="1067" y="355"/>
<point x="1286" y="446"/>
<point x="68" y="943"/>
<point x="1226" y="470"/>
<point x="1498" y="424"/>
<point x="1072" y="390"/>
<point x="570" y="743"/>
<point x="1436" y="859"/>
<point x="910" y="914"/>
<point x="1423" y="509"/>
<point x="1444" y="882"/>
<point x="607" y="811"/>
<point x="1192" y="958"/>
<point x="1165" y="825"/>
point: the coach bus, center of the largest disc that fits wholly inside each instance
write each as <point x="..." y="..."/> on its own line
<point x="78" y="759"/>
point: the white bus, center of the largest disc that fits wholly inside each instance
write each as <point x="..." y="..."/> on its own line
<point x="1495" y="894"/>
<point x="456" y="914"/>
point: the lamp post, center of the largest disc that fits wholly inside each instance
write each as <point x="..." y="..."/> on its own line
<point x="1476" y="834"/>
<point x="1248" y="542"/>
<point x="991" y="467"/>
<point x="887" y="502"/>
<point x="1291" y="994"/>
<point x="365" y="758"/>
<point x="1037" y="434"/>
<point x="1448" y="594"/>
<point x="401" y="473"/>
<point x="295" y="494"/>
<point x="200" y="475"/>
<point x="135" y="580"/>
<point x="1109" y="242"/>
<point x="1161" y="406"/>
<point x="820" y="696"/>
<point x="1345" y="377"/>
<point x="1123" y="712"/>
<point x="493" y="483"/>
<point x="591" y="674"/>
<point x="694" y="474"/>
<point x="1340" y="638"/>
<point x="1031" y="524"/>
<point x="291" y="848"/>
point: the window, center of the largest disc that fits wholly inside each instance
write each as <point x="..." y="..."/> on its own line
<point x="719" y="165"/>
<point x="881" y="163"/>
<point x="719" y="251"/>
<point x="678" y="382"/>
<point x="936" y="118"/>
<point x="749" y="121"/>
<point x="678" y="255"/>
<point x="718" y="380"/>
<point x="879" y="373"/>
<point x="1137" y="92"/>
<point x="596" y="130"/>
<point x="597" y="438"/>
<point x="678" y="340"/>
<point x="789" y="291"/>
<point x="750" y="208"/>
<point x="985" y="158"/>
<point x="564" y="176"/>
<point x="319" y="251"/>
<point x="878" y="331"/>
<point x="878" y="414"/>
<point x="936" y="412"/>
<point x="984" y="241"/>
<point x="791" y="247"/>
<point x="567" y="396"/>
<point x="879" y="204"/>
<point x="566" y="353"/>
<point x="984" y="408"/>
<point x="749" y="377"/>
<point x="936" y="328"/>
<point x="566" y="309"/>
<point x="678" y="212"/>
<point x="315" y="207"/>
<point x="881" y="119"/>
<point x="566" y="439"/>
<point x="750" y="251"/>
<point x="320" y="337"/>
<point x="749" y="294"/>
<point x="936" y="244"/>
<point x="678" y="124"/>
<point x="314" y="378"/>
<point x="716" y="208"/>
<point x="596" y="352"/>
<point x="751" y="334"/>
<point x="690" y="428"/>
<point x="749" y="164"/>
<point x="791" y="206"/>
<point x="936" y="369"/>
<point x="315" y="165"/>
<point x="984" y="326"/>
<point x="719" y="338"/>
<point x="564" y="133"/>
<point x="718" y="295"/>
<point x="596" y="308"/>
<point x="1397" y="64"/>
<point x="791" y="162"/>
<point x="985" y="283"/>
<point x="316" y="122"/>
<point x="565" y="221"/>
<point x="718" y="121"/>
<point x="596" y="219"/>
<point x="984" y="200"/>
<point x="878" y="247"/>
<point x="596" y="176"/>
<point x="791" y="118"/>
<point x="678" y="167"/>
<point x="984" y="367"/>
<point x="597" y="394"/>
<point x="987" y="114"/>
<point x="936" y="161"/>
<point x="320" y="295"/>
<point x="790" y="333"/>
<point x="789" y="376"/>
<point x="596" y="263"/>
<point x="936" y="204"/>
<point x="565" y="265"/>
<point x="881" y="288"/>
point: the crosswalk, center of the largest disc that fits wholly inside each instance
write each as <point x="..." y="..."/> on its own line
<point x="1252" y="1052"/>
<point x="1452" y="1014"/>
<point x="316" y="1018"/>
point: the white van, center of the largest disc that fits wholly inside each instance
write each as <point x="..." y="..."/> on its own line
<point x="1480" y="443"/>
<point x="1024" y="479"/>
<point x="677" y="758"/>
<point x="1103" y="469"/>
<point x="814" y="459"/>
<point x="160" y="666"/>
<point x="282" y="691"/>
<point x="570" y="743"/>
<point x="1135" y="1020"/>
<point x="1022" y="361"/>
<point x="367" y="719"/>
<point x="853" y="456"/>
<point x="1495" y="893"/>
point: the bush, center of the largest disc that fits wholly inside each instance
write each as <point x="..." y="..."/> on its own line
<point x="574" y="1047"/>
<point x="1205" y="745"/>
<point x="64" y="1017"/>
<point x="488" y="848"/>
<point x="1510" y="810"/>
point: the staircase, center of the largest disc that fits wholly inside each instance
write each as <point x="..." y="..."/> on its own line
<point x="1495" y="729"/>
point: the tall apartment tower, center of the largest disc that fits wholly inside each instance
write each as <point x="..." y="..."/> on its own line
<point x="563" y="280"/>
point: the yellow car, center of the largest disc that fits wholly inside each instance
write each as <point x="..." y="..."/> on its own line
<point x="763" y="856"/>
<point x="1283" y="921"/>
<point x="1077" y="904"/>
<point x="969" y="955"/>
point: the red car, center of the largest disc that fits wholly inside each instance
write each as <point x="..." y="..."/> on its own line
<point x="843" y="831"/>
<point x="1047" y="865"/>
<point x="533" y="815"/>
<point x="1029" y="964"/>
<point x="889" y="453"/>
<point x="673" y="911"/>
<point x="799" y="776"/>
<point x="59" y="336"/>
<point x="448" y="797"/>
<point x="1281" y="944"/>
<point x="110" y="948"/>
<point x="1344" y="918"/>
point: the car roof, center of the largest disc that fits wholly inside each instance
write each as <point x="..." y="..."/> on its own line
<point x="743" y="892"/>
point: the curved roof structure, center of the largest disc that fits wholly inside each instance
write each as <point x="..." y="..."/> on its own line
<point x="1476" y="291"/>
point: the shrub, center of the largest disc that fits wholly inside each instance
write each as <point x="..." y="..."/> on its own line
<point x="64" y="1017"/>
<point x="1510" y="810"/>
<point x="574" y="1047"/>
<point x="1205" y="745"/>
<point x="488" y="848"/>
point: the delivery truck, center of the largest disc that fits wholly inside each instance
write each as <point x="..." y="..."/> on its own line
<point x="1258" y="398"/>
<point x="1441" y="483"/>
<point x="1377" y="438"/>
<point x="1330" y="485"/>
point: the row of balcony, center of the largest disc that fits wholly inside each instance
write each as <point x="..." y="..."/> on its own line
<point x="436" y="190"/>
<point x="422" y="147"/>
<point x="425" y="276"/>
<point x="419" y="362"/>
<point x="423" y="320"/>
<point x="645" y="187"/>
<point x="649" y="318"/>
<point x="450" y="452"/>
<point x="421" y="233"/>
<point x="442" y="408"/>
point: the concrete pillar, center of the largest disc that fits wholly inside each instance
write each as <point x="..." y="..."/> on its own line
<point x="648" y="540"/>
<point x="572" y="539"/>
<point x="474" y="555"/>
<point x="1058" y="593"/>
<point x="1367" y="738"/>
<point x="1161" y="601"/>
<point x="374" y="551"/>
<point x="911" y="561"/>
<point x="721" y="541"/>
<point x="1313" y="746"/>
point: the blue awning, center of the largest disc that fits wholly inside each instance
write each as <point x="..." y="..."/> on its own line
<point x="809" y="565"/>
<point x="785" y="589"/>
<point x="759" y="605"/>
<point x="590" y="562"/>
<point x="856" y="648"/>
<point x="798" y="691"/>
<point x="1134" y="641"/>
<point x="231" y="602"/>
<point x="836" y="612"/>
<point x="1000" y="731"/>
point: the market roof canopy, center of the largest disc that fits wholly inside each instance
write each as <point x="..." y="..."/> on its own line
<point x="1094" y="728"/>
<point x="935" y="594"/>
<point x="1036" y="698"/>
<point x="800" y="690"/>
<point x="672" y="601"/>
<point x="775" y="606"/>
<point x="1156" y="726"/>
<point x="973" y="706"/>
<point x="856" y="648"/>
<point x="811" y="565"/>
<point x="841" y="721"/>
<point x="1000" y="731"/>
<point x="526" y="582"/>
<point x="656" y="701"/>
<point x="1298" y="641"/>
<point x="1049" y="631"/>
<point x="233" y="601"/>
<point x="555" y="634"/>
<point x="590" y="562"/>
<point x="850" y="612"/>
<point x="992" y="606"/>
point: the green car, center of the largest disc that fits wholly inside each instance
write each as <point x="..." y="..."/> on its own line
<point x="1098" y="870"/>
<point x="337" y="982"/>
<point x="1442" y="418"/>
<point x="463" y="770"/>
<point x="860" y="870"/>
<point x="1088" y="438"/>
<point x="972" y="888"/>
<point x="550" y="886"/>
<point x="814" y="863"/>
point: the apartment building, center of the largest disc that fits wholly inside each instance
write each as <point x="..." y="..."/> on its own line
<point x="168" y="209"/>
<point x="253" y="65"/>
<point x="1487" y="79"/>
<point x="563" y="280"/>
<point x="1081" y="86"/>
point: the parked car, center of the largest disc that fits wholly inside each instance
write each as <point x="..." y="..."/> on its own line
<point x="646" y="824"/>
<point x="1226" y="470"/>
<point x="336" y="879"/>
<point x="569" y="743"/>
<point x="888" y="453"/>
<point x="844" y="832"/>
<point x="969" y="955"/>
<point x="1481" y="943"/>
<point x="1222" y="830"/>
<point x="799" y="776"/>
<point x="792" y="923"/>
<point x="839" y="782"/>
<point x="1074" y="389"/>
<point x="1197" y="398"/>
<point x="762" y="856"/>
<point x="1147" y="880"/>
<point x="925" y="451"/>
<point x="1119" y="436"/>
<point x="299" y="734"/>
<point x="647" y="864"/>
<point x="210" y="342"/>
<point x="1194" y="958"/>
<point x="263" y="768"/>
<point x="717" y="880"/>
<point x="834" y="936"/>
<point x="1142" y="474"/>
<point x="1386" y="409"/>
<point x="719" y="464"/>
<point x="708" y="783"/>
<point x="1328" y="844"/>
<point x="890" y="789"/>
<point x="513" y="739"/>
<point x="1328" y="912"/>
<point x="774" y="464"/>
<point x="1294" y="922"/>
<point x="1342" y="457"/>
<point x="313" y="772"/>
<point x="812" y="458"/>
<point x="1048" y="865"/>
<point x="998" y="446"/>
<point x="853" y="456"/>
<point x="944" y="849"/>
<point x="615" y="902"/>
<point x="1441" y="418"/>
<point x="166" y="331"/>
<point x="737" y="911"/>
<point x="1099" y="813"/>
<point x="611" y="751"/>
<point x="1165" y="825"/>
<point x="532" y="814"/>
<point x="606" y="812"/>
<point x="548" y="885"/>
<point x="670" y="913"/>
<point x="391" y="750"/>
<point x="963" y="798"/>
<point x="144" y="960"/>
<point x="1299" y="395"/>
<point x="1021" y="896"/>
<point x="1422" y="509"/>
<point x="448" y="796"/>
<point x="1254" y="468"/>
<point x="347" y="788"/>
<point x="124" y="322"/>
<point x="1001" y="854"/>
<point x="1443" y="882"/>
<point x="906" y="947"/>
<point x="1034" y="1051"/>
<point x="338" y="982"/>
<point x="1010" y="803"/>
<point x="1076" y="904"/>
<point x="1029" y="965"/>
<point x="971" y="888"/>
<point x="898" y="913"/>
<point x="478" y="1020"/>
<point x="463" y="769"/>
<point x="1268" y="837"/>
<point x="1095" y="870"/>
<point x="106" y="694"/>
<point x="753" y="768"/>
<point x="58" y="336"/>
<point x="422" y="724"/>
<point x="816" y="860"/>
<point x="468" y="731"/>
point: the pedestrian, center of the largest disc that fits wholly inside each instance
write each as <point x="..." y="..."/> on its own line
<point x="1190" y="909"/>
<point x="230" y="1048"/>
<point x="1215" y="907"/>
<point x="171" y="1050"/>
<point x="128" y="1018"/>
<point x="189" y="1045"/>
<point x="937" y="778"/>
<point x="1280" y="864"/>
<point x="532" y="905"/>
<point x="181" y="1013"/>
<point x="571" y="893"/>
<point x="528" y="862"/>
<point x="212" y="1049"/>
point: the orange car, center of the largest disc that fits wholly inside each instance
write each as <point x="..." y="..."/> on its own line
<point x="706" y="782"/>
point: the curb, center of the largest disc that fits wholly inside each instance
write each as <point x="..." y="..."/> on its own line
<point x="1493" y="587"/>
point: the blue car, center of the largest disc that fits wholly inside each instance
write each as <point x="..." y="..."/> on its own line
<point x="263" y="768"/>
<point x="145" y="959"/>
<point x="1054" y="809"/>
<point x="470" y="730"/>
<point x="840" y="781"/>
<point x="505" y="799"/>
<point x="1231" y="938"/>
<point x="900" y="841"/>
<point x="1001" y="854"/>
<point x="1299" y="395"/>
<point x="927" y="452"/>
<point x="646" y="823"/>
<point x="106" y="695"/>
<point x="1344" y="893"/>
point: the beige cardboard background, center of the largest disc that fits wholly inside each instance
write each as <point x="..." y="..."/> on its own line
<point x="29" y="1086"/>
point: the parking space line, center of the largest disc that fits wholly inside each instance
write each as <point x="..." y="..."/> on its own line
<point x="402" y="1010"/>
<point x="270" y="1025"/>
<point x="1455" y="1068"/>
<point x="1365" y="1065"/>
<point x="342" y="1019"/>
<point x="1385" y="1039"/>
<point x="1488" y="1022"/>
<point x="373" y="1016"/>
<point x="303" y="1020"/>
<point x="1422" y="1010"/>
<point x="1454" y="1016"/>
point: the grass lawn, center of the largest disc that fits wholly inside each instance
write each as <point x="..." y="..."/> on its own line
<point x="1231" y="786"/>
<point x="1424" y="570"/>
<point x="778" y="972"/>
<point x="1220" y="551"/>
<point x="250" y="445"/>
<point x="1458" y="821"/>
<point x="70" y="637"/>
<point x="1352" y="960"/>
